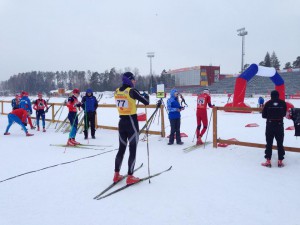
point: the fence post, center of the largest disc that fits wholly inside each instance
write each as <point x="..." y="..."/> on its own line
<point x="215" y="131"/>
<point x="163" y="132"/>
<point x="52" y="112"/>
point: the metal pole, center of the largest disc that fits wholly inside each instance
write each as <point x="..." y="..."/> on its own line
<point x="151" y="55"/>
<point x="243" y="52"/>
<point x="242" y="33"/>
<point x="151" y="84"/>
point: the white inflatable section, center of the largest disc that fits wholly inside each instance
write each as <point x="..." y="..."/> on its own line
<point x="266" y="71"/>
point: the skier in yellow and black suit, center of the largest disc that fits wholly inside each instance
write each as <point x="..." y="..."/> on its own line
<point x="125" y="98"/>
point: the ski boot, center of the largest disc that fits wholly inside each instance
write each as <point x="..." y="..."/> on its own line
<point x="280" y="163"/>
<point x="267" y="163"/>
<point x="32" y="128"/>
<point x="28" y="134"/>
<point x="70" y="143"/>
<point x="44" y="130"/>
<point x="85" y="135"/>
<point x="74" y="142"/>
<point x="6" y="133"/>
<point x="117" y="177"/>
<point x="199" y="141"/>
<point x="132" y="180"/>
<point x="38" y="128"/>
<point x="180" y="143"/>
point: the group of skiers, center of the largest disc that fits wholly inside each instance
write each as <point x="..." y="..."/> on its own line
<point x="128" y="127"/>
<point x="22" y="111"/>
<point x="174" y="109"/>
<point x="89" y="104"/>
<point x="273" y="111"/>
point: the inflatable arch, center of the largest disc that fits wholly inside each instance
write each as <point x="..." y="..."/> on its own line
<point x="247" y="75"/>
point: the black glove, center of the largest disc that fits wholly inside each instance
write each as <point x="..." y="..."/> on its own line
<point x="78" y="104"/>
<point x="25" y="124"/>
<point x="158" y="103"/>
<point x="46" y="110"/>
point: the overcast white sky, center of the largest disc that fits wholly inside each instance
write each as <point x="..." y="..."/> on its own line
<point x="55" y="35"/>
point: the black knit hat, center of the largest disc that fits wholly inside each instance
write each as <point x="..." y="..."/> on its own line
<point x="274" y="94"/>
<point x="127" y="77"/>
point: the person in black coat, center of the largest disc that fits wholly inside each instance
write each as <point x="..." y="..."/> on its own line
<point x="274" y="111"/>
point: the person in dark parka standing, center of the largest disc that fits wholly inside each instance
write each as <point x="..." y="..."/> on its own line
<point x="89" y="105"/>
<point x="274" y="111"/>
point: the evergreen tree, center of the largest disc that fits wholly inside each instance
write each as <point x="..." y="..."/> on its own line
<point x="267" y="61"/>
<point x="274" y="61"/>
<point x="287" y="66"/>
<point x="94" y="81"/>
<point x="296" y="63"/>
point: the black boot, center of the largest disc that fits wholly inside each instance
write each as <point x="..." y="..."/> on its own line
<point x="85" y="134"/>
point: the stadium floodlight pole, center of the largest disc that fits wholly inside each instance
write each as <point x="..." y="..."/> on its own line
<point x="242" y="33"/>
<point x="150" y="55"/>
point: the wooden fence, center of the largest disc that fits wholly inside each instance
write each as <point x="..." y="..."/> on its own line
<point x="248" y="144"/>
<point x="54" y="120"/>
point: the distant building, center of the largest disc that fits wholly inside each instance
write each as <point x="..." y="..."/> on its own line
<point x="60" y="92"/>
<point x="196" y="75"/>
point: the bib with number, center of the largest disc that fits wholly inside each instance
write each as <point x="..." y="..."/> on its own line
<point x="125" y="104"/>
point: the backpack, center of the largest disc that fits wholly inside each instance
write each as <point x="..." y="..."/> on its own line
<point x="295" y="116"/>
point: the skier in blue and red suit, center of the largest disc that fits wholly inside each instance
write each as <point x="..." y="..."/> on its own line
<point x="18" y="116"/>
<point x="74" y="105"/>
<point x="26" y="104"/>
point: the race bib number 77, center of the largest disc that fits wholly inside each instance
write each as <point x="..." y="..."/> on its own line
<point x="122" y="103"/>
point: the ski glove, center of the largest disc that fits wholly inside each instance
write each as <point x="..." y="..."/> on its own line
<point x="25" y="124"/>
<point x="78" y="104"/>
<point x="145" y="95"/>
<point x="158" y="103"/>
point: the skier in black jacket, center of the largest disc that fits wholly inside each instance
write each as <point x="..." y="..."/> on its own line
<point x="274" y="111"/>
<point x="125" y="98"/>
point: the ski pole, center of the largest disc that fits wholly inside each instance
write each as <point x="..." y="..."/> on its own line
<point x="194" y="135"/>
<point x="208" y="127"/>
<point x="149" y="120"/>
<point x="147" y="130"/>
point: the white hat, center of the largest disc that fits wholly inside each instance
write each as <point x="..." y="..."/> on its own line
<point x="205" y="90"/>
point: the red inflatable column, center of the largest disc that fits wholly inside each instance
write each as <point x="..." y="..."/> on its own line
<point x="239" y="91"/>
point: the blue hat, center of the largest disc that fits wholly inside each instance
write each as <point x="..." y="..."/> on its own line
<point x="172" y="92"/>
<point x="89" y="90"/>
<point x="127" y="77"/>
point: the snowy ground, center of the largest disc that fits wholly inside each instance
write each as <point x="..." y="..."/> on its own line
<point x="206" y="186"/>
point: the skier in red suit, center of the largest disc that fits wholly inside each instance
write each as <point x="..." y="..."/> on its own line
<point x="202" y="101"/>
<point x="18" y="116"/>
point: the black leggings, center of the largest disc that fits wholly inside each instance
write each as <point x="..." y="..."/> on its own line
<point x="128" y="131"/>
<point x="89" y="118"/>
